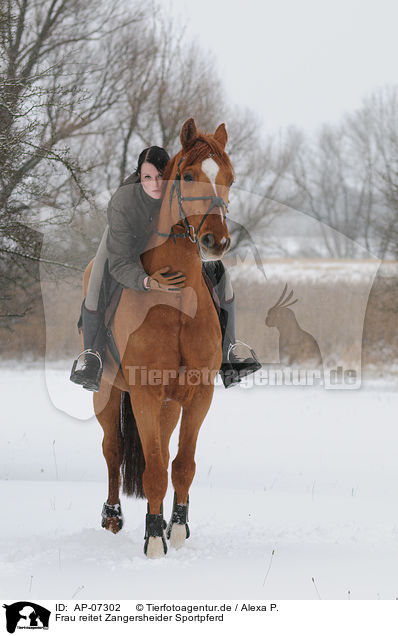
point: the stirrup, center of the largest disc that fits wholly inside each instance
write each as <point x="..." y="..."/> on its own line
<point x="234" y="344"/>
<point x="78" y="377"/>
<point x="90" y="352"/>
<point x="233" y="371"/>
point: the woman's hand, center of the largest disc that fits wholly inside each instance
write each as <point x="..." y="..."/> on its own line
<point x="166" y="281"/>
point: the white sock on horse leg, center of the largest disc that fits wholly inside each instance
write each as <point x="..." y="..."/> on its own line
<point x="178" y="535"/>
<point x="155" y="549"/>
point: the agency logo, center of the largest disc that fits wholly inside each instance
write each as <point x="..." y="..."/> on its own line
<point x="26" y="615"/>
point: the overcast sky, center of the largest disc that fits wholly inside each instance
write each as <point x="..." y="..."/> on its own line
<point x="299" y="62"/>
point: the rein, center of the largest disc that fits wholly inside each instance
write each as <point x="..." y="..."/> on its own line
<point x="190" y="231"/>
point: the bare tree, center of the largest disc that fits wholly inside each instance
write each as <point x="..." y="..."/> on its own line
<point x="347" y="178"/>
<point x="263" y="187"/>
<point x="63" y="67"/>
<point x="332" y="189"/>
<point x="373" y="135"/>
<point x="187" y="85"/>
<point x="61" y="72"/>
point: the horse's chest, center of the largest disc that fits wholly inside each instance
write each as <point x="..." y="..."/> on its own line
<point x="200" y="343"/>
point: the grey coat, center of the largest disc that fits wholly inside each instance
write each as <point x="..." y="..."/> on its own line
<point x="131" y="213"/>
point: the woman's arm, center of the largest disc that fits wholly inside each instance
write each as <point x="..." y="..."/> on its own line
<point x="127" y="238"/>
<point x="124" y="241"/>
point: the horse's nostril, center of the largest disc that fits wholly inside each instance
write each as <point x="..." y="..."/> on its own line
<point x="228" y="244"/>
<point x="208" y="241"/>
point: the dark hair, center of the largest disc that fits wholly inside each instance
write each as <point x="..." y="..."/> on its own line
<point x="155" y="155"/>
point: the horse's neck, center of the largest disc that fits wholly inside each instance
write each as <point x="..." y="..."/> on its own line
<point x="176" y="252"/>
<point x="169" y="215"/>
<point x="179" y="254"/>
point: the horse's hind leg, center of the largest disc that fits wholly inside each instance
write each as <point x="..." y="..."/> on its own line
<point x="183" y="466"/>
<point x="107" y="410"/>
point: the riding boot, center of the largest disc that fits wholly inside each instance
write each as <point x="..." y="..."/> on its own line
<point x="94" y="336"/>
<point x="233" y="369"/>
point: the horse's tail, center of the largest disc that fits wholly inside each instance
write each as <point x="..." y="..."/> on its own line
<point x="133" y="462"/>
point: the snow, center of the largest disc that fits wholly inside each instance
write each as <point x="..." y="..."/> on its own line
<point x="303" y="472"/>
<point x="311" y="270"/>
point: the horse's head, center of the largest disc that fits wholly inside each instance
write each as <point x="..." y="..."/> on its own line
<point x="203" y="175"/>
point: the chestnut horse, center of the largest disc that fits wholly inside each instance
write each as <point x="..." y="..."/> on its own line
<point x="169" y="344"/>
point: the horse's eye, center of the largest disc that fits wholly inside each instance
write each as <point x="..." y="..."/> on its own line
<point x="232" y="183"/>
<point x="188" y="176"/>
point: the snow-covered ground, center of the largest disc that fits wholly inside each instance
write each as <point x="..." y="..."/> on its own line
<point x="292" y="484"/>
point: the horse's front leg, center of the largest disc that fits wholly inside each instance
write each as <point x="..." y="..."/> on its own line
<point x="147" y="409"/>
<point x="107" y="410"/>
<point x="183" y="466"/>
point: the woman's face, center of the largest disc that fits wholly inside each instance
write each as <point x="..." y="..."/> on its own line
<point x="151" y="180"/>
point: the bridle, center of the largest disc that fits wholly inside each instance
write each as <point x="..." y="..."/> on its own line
<point x="190" y="231"/>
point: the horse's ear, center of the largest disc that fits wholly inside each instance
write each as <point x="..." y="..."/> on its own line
<point x="221" y="135"/>
<point x="188" y="132"/>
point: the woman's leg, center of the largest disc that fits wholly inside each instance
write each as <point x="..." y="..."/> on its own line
<point x="94" y="284"/>
<point x="94" y="332"/>
<point x="233" y="369"/>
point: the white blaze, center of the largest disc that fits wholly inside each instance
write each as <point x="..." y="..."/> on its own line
<point x="211" y="169"/>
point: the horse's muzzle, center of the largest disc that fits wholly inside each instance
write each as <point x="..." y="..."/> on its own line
<point x="211" y="249"/>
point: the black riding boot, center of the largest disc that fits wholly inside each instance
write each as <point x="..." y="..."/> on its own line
<point x="233" y="369"/>
<point x="94" y="335"/>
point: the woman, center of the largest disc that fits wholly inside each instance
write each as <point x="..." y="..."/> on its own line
<point x="132" y="211"/>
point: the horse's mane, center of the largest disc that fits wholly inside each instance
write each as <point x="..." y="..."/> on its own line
<point x="200" y="148"/>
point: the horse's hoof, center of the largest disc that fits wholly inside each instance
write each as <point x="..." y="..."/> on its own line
<point x="155" y="548"/>
<point x="177" y="535"/>
<point x="112" y="517"/>
<point x="113" y="525"/>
